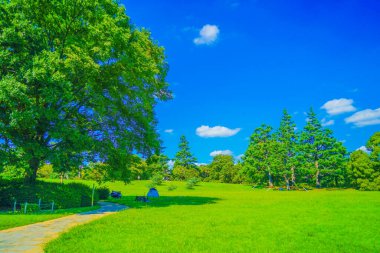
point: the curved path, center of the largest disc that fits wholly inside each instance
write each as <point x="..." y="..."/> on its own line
<point x="31" y="238"/>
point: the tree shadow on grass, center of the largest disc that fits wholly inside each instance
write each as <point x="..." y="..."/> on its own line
<point x="165" y="201"/>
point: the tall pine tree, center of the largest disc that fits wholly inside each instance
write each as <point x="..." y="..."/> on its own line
<point x="322" y="156"/>
<point x="184" y="157"/>
<point x="288" y="141"/>
<point x="260" y="162"/>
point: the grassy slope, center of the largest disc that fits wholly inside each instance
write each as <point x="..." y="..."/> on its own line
<point x="233" y="218"/>
<point x="16" y="220"/>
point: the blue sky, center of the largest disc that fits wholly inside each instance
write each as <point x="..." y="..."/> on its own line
<point x="236" y="64"/>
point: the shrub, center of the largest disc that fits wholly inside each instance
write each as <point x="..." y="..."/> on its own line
<point x="192" y="182"/>
<point x="103" y="192"/>
<point x="195" y="180"/>
<point x="64" y="195"/>
<point x="151" y="185"/>
<point x="30" y="208"/>
<point x="172" y="187"/>
<point x="157" y="179"/>
<point x="46" y="171"/>
<point x="12" y="172"/>
<point x="367" y="185"/>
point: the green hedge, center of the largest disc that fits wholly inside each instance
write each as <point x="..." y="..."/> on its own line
<point x="30" y="208"/>
<point x="103" y="192"/>
<point x="64" y="195"/>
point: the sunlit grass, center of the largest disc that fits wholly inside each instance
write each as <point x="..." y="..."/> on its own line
<point x="10" y="220"/>
<point x="232" y="218"/>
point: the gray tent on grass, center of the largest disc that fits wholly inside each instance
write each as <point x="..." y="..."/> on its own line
<point x="153" y="193"/>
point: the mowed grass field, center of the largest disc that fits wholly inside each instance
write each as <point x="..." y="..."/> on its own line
<point x="232" y="218"/>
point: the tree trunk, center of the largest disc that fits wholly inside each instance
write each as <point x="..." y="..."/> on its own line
<point x="31" y="176"/>
<point x="270" y="180"/>
<point x="293" y="176"/>
<point x="287" y="182"/>
<point x="317" y="182"/>
<point x="61" y="177"/>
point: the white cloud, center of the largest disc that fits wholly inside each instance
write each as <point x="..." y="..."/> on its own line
<point x="216" y="131"/>
<point x="169" y="131"/>
<point x="171" y="164"/>
<point x="239" y="157"/>
<point x="200" y="164"/>
<point x="207" y="35"/>
<point x="325" y="122"/>
<point x="364" y="149"/>
<point x="365" y="118"/>
<point x="221" y="152"/>
<point x="339" y="106"/>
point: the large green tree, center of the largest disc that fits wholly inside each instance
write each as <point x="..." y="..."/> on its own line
<point x="364" y="168"/>
<point x="77" y="80"/>
<point x="322" y="156"/>
<point x="287" y="152"/>
<point x="260" y="161"/>
<point x="184" y="157"/>
<point x="157" y="164"/>
<point x="223" y="169"/>
<point x="373" y="146"/>
<point x="184" y="162"/>
<point x="360" y="170"/>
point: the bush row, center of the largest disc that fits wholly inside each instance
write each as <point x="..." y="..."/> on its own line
<point x="64" y="195"/>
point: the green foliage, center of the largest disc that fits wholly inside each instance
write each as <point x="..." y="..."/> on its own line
<point x="172" y="187"/>
<point x="260" y="162"/>
<point x="157" y="164"/>
<point x="285" y="157"/>
<point x="78" y="82"/>
<point x="192" y="182"/>
<point x="12" y="172"/>
<point x="373" y="145"/>
<point x="157" y="179"/>
<point x="138" y="168"/>
<point x="47" y="171"/>
<point x="103" y="192"/>
<point x="321" y="155"/>
<point x="287" y="152"/>
<point x="183" y="173"/>
<point x="151" y="185"/>
<point x="360" y="169"/>
<point x="98" y="172"/>
<point x="64" y="195"/>
<point x="223" y="169"/>
<point x="30" y="208"/>
<point x="363" y="169"/>
<point x="184" y="157"/>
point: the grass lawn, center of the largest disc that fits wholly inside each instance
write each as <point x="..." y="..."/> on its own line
<point x="15" y="220"/>
<point x="232" y="218"/>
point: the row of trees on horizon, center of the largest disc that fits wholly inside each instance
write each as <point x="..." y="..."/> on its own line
<point x="279" y="157"/>
<point x="285" y="157"/>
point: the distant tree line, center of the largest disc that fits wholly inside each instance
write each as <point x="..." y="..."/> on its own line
<point x="283" y="157"/>
<point x="288" y="158"/>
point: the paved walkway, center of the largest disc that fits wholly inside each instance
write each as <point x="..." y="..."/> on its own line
<point x="31" y="238"/>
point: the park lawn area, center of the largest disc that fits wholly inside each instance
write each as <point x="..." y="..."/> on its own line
<point x="9" y="220"/>
<point x="232" y="218"/>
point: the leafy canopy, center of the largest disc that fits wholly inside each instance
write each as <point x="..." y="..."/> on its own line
<point x="77" y="82"/>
